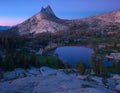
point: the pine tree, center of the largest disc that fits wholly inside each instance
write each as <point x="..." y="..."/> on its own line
<point x="99" y="67"/>
<point x="60" y="64"/>
<point x="1" y="61"/>
<point x="9" y="63"/>
<point x="81" y="67"/>
<point x="25" y="61"/>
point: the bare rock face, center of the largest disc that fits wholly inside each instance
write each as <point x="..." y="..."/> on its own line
<point x="102" y="22"/>
<point x="49" y="80"/>
<point x="47" y="12"/>
<point x="44" y="21"/>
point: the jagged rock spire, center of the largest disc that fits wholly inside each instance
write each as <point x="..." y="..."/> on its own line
<point x="47" y="11"/>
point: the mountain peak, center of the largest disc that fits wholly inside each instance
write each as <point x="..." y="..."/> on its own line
<point x="47" y="11"/>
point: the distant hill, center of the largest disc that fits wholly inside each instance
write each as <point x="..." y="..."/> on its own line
<point x="2" y="28"/>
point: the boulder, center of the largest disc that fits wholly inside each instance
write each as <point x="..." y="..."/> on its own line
<point x="116" y="77"/>
<point x="9" y="75"/>
<point x="34" y="71"/>
<point x="111" y="82"/>
<point x="20" y="72"/>
<point x="96" y="79"/>
<point x="117" y="81"/>
<point x="84" y="90"/>
<point x="118" y="87"/>
<point x="47" y="71"/>
<point x="83" y="77"/>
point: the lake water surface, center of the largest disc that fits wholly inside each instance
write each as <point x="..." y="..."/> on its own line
<point x="74" y="54"/>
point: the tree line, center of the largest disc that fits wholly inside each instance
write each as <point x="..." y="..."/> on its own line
<point x="26" y="60"/>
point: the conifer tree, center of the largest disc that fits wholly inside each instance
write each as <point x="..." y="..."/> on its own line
<point x="1" y="61"/>
<point x="81" y="67"/>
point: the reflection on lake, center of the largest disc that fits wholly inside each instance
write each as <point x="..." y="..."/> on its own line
<point x="74" y="54"/>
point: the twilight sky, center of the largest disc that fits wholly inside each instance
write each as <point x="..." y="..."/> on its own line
<point x="13" y="12"/>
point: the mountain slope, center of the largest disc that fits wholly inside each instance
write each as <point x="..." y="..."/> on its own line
<point x="101" y="23"/>
<point x="46" y="21"/>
